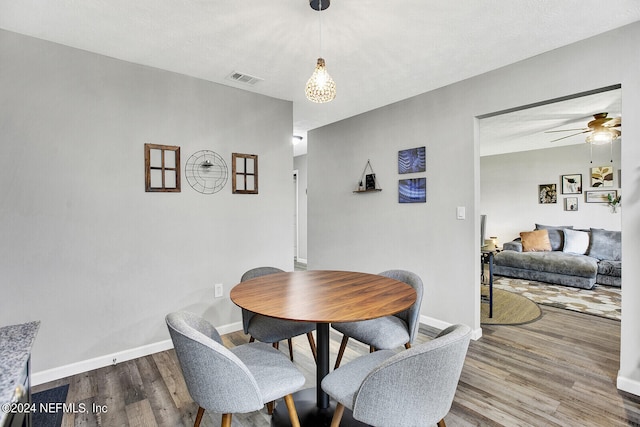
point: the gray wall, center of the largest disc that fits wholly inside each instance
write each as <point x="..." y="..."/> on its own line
<point x="372" y="232"/>
<point x="509" y="187"/>
<point x="83" y="248"/>
<point x="300" y="164"/>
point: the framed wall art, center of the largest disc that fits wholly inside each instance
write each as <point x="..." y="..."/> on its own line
<point x="547" y="193"/>
<point x="599" y="196"/>
<point x="244" y="173"/>
<point x="413" y="190"/>
<point x="412" y="160"/>
<point x="602" y="176"/>
<point x="571" y="204"/>
<point x="572" y="184"/>
<point x="161" y="168"/>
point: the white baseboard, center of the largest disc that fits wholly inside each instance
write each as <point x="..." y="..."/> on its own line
<point x="108" y="359"/>
<point x="629" y="385"/>
<point x="439" y="324"/>
<point x="302" y="260"/>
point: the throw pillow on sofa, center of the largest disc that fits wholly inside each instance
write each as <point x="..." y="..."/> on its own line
<point x="606" y="244"/>
<point x="535" y="241"/>
<point x="556" y="236"/>
<point x="575" y="242"/>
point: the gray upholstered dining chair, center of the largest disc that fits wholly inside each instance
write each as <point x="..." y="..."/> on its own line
<point x="227" y="381"/>
<point x="414" y="387"/>
<point x="270" y="330"/>
<point x="389" y="332"/>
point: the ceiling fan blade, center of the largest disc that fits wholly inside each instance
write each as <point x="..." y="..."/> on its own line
<point x="569" y="136"/>
<point x="564" y="130"/>
<point x="614" y="122"/>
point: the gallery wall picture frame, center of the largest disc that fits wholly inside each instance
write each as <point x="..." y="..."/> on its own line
<point x="572" y="184"/>
<point x="602" y="176"/>
<point x="412" y="160"/>
<point x="244" y="173"/>
<point x="161" y="168"/>
<point x="547" y="193"/>
<point x="599" y="196"/>
<point x="571" y="204"/>
<point x="412" y="190"/>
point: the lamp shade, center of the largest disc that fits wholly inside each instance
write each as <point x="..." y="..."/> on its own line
<point x="320" y="87"/>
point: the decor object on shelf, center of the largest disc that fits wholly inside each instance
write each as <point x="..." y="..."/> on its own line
<point x="161" y="168"/>
<point x="572" y="184"/>
<point x="412" y="160"/>
<point x="571" y="204"/>
<point x="547" y="193"/>
<point x="614" y="202"/>
<point x="369" y="182"/>
<point x="599" y="196"/>
<point x="320" y="86"/>
<point x="244" y="173"/>
<point x="206" y="172"/>
<point x="413" y="190"/>
<point x="602" y="176"/>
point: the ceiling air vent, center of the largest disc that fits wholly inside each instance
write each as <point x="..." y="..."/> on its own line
<point x="243" y="78"/>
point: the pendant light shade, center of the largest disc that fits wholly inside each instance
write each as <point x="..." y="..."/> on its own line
<point x="320" y="87"/>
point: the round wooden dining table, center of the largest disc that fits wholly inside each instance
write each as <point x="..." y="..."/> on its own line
<point x="321" y="297"/>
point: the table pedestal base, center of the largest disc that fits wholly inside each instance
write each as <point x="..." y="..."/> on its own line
<point x="309" y="413"/>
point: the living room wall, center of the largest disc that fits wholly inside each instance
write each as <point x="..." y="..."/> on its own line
<point x="373" y="232"/>
<point x="84" y="249"/>
<point x="509" y="187"/>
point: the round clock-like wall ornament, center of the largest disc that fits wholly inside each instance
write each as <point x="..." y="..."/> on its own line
<point x="206" y="172"/>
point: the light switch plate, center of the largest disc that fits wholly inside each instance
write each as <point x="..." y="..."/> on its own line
<point x="460" y="212"/>
<point x="218" y="290"/>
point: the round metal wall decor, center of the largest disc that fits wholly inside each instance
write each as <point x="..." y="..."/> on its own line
<point x="206" y="172"/>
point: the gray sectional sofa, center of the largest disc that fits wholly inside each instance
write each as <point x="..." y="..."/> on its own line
<point x="600" y="263"/>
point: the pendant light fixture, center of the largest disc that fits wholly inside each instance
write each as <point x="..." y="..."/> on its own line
<point x="320" y="87"/>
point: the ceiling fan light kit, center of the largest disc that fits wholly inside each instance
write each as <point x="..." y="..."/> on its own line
<point x="320" y="87"/>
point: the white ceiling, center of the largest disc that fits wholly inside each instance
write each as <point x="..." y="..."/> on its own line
<point x="525" y="129"/>
<point x="378" y="52"/>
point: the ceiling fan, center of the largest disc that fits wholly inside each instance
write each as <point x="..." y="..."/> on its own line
<point x="600" y="129"/>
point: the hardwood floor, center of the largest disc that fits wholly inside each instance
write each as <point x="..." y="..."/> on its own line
<point x="558" y="371"/>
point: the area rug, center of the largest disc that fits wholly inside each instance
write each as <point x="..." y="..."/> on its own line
<point x="509" y="308"/>
<point x="52" y="395"/>
<point x="603" y="301"/>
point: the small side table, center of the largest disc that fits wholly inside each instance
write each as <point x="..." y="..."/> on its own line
<point x="486" y="257"/>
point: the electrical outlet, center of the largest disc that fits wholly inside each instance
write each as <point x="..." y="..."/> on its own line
<point x="218" y="290"/>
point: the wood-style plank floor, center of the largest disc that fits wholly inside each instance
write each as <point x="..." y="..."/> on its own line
<point x="558" y="371"/>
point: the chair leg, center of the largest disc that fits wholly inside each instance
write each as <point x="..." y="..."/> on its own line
<point x="251" y="339"/>
<point x="199" y="416"/>
<point x="337" y="415"/>
<point x="312" y="344"/>
<point x="270" y="406"/>
<point x="407" y="345"/>
<point x="343" y="345"/>
<point x="293" y="414"/>
<point x="441" y="423"/>
<point x="276" y="345"/>
<point x="226" y="420"/>
<point x="371" y="349"/>
<point x="290" y="349"/>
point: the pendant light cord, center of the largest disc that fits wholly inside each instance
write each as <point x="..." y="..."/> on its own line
<point x="320" y="27"/>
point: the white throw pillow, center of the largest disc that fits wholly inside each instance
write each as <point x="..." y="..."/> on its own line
<point x="575" y="242"/>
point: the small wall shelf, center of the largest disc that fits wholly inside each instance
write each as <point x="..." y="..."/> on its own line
<point x="368" y="183"/>
<point x="368" y="191"/>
